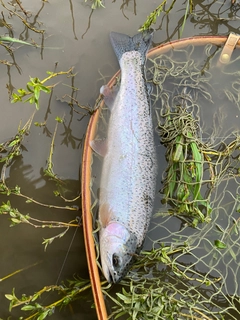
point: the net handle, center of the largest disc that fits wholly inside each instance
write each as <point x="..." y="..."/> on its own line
<point x="228" y="48"/>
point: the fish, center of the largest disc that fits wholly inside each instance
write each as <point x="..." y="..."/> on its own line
<point x="128" y="177"/>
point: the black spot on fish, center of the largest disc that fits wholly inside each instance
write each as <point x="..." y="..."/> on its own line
<point x="147" y="199"/>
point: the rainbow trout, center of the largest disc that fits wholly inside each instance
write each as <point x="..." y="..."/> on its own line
<point x="127" y="187"/>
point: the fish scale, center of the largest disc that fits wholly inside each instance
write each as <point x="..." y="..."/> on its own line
<point x="129" y="165"/>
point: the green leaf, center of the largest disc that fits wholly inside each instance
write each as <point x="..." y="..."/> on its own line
<point x="30" y="100"/>
<point x="45" y="89"/>
<point x="37" y="92"/>
<point x="219" y="244"/>
<point x="35" y="296"/>
<point x="208" y="283"/>
<point x="43" y="315"/>
<point x="28" y="307"/>
<point x="12" y="213"/>
<point x="6" y="206"/>
<point x="15" y="221"/>
<point x="36" y="104"/>
<point x="14" y="142"/>
<point x="21" y="91"/>
<point x="9" y="297"/>
<point x="58" y="119"/>
<point x="120" y="314"/>
<point x="16" y="98"/>
<point x="124" y="298"/>
<point x="10" y="39"/>
<point x="29" y="89"/>
<point x="30" y="84"/>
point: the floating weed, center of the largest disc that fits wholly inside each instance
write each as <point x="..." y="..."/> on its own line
<point x="40" y="124"/>
<point x="14" y="40"/>
<point x="16" y="218"/>
<point x="151" y="19"/>
<point x="59" y="120"/>
<point x="80" y="106"/>
<point x="96" y="4"/>
<point x="14" y="12"/>
<point x="13" y="147"/>
<point x="187" y="11"/>
<point x="69" y="292"/>
<point x="35" y="86"/>
<point x="4" y="189"/>
<point x="49" y="170"/>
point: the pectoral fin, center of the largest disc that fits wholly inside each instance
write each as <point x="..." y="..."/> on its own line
<point x="99" y="146"/>
<point x="109" y="95"/>
<point x="105" y="214"/>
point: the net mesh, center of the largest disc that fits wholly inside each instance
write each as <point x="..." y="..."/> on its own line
<point x="190" y="268"/>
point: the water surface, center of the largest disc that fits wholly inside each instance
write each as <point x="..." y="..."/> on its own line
<point x="75" y="36"/>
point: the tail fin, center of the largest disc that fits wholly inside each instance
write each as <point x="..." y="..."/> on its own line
<point x="122" y="43"/>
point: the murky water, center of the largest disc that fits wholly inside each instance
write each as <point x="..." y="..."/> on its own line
<point x="74" y="37"/>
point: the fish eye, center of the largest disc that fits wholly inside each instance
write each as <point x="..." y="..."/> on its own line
<point x="115" y="260"/>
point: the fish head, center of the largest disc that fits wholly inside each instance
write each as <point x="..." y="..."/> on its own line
<point x="117" y="248"/>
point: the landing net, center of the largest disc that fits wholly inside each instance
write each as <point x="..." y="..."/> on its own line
<point x="190" y="268"/>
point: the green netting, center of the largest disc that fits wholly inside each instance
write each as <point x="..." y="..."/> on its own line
<point x="191" y="268"/>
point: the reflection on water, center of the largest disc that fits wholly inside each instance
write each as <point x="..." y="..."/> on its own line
<point x="93" y="59"/>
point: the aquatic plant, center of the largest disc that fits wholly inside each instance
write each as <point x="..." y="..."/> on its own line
<point x="96" y="4"/>
<point x="12" y="149"/>
<point x="69" y="292"/>
<point x="151" y="19"/>
<point x="184" y="154"/>
<point x="13" y="12"/>
<point x="35" y="86"/>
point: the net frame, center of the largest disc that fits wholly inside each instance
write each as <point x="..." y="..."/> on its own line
<point x="170" y="255"/>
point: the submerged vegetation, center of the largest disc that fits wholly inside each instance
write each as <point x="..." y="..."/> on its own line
<point x="200" y="187"/>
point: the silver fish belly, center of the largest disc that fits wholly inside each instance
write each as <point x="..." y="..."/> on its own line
<point x="127" y="187"/>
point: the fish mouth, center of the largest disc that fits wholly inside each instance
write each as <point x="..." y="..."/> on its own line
<point x="113" y="277"/>
<point x="110" y="278"/>
<point x="109" y="274"/>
